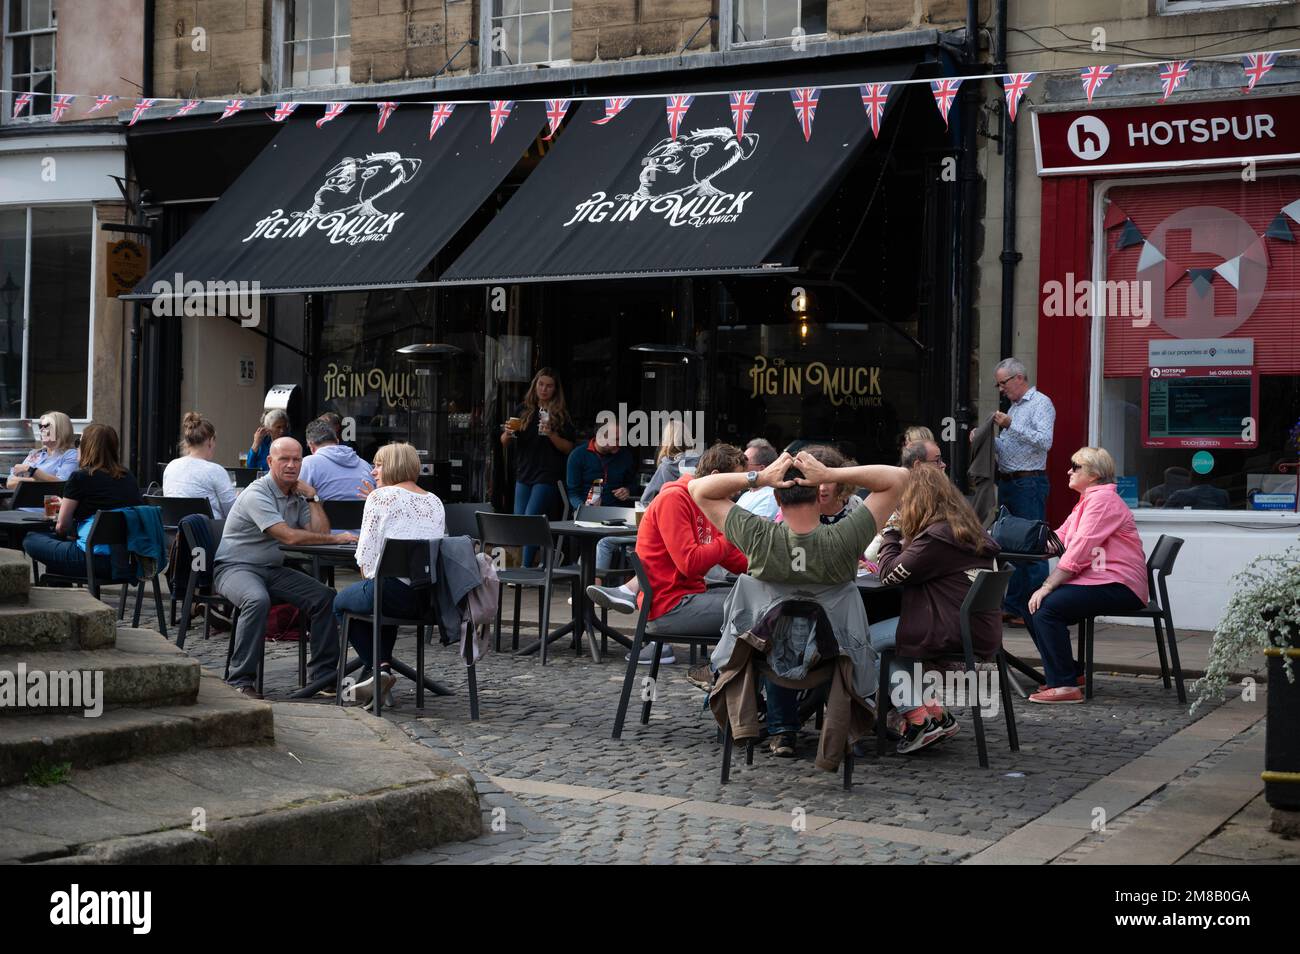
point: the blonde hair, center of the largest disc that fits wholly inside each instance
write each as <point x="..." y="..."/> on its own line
<point x="918" y="433"/>
<point x="674" y="440"/>
<point x="930" y="498"/>
<point x="399" y="463"/>
<point x="1096" y="461"/>
<point x="196" y="430"/>
<point x="63" y="433"/>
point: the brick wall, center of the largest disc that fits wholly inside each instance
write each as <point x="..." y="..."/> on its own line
<point x="401" y="39"/>
<point x="236" y="37"/>
<point x="622" y="29"/>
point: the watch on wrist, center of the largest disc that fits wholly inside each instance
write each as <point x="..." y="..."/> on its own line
<point x="31" y="472"/>
<point x="752" y="479"/>
<point x="315" y="498"/>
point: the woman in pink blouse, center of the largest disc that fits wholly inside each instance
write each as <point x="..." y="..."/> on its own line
<point x="1102" y="570"/>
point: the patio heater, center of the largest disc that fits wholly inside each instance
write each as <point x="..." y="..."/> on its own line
<point x="667" y="384"/>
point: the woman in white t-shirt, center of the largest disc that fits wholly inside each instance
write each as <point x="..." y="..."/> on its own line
<point x="194" y="473"/>
<point x="398" y="508"/>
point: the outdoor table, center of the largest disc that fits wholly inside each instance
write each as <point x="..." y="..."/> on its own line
<point x="337" y="553"/>
<point x="584" y="617"/>
<point x="16" y="524"/>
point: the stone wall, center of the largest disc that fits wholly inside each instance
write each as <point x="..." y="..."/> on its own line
<point x="622" y="29"/>
<point x="234" y="48"/>
<point x="405" y="39"/>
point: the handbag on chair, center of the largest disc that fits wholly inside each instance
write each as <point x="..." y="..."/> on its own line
<point x="1021" y="535"/>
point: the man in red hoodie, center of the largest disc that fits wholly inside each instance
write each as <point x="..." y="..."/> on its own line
<point x="677" y="546"/>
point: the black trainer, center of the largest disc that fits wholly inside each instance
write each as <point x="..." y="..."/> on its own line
<point x="918" y="735"/>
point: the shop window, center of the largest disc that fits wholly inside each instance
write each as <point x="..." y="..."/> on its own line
<point x="13" y="263"/>
<point x="529" y="31"/>
<point x="1199" y="346"/>
<point x="318" y="43"/>
<point x="758" y="21"/>
<point x="30" y="30"/>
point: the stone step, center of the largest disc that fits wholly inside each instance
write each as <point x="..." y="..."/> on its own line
<point x="142" y="669"/>
<point x="337" y="787"/>
<point x="56" y="618"/>
<point x="15" y="576"/>
<point x="218" y="717"/>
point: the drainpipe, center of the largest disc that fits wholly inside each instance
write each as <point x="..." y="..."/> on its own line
<point x="969" y="175"/>
<point x="1009" y="257"/>
<point x="146" y="81"/>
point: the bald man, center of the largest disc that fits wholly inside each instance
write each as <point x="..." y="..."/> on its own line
<point x="250" y="571"/>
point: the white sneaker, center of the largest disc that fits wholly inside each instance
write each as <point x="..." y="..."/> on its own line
<point x="647" y="656"/>
<point x="612" y="598"/>
<point x="364" y="692"/>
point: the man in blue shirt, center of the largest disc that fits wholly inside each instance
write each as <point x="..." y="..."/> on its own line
<point x="334" y="469"/>
<point x="1021" y="448"/>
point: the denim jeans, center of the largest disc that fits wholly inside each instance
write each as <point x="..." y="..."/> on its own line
<point x="534" y="499"/>
<point x="1024" y="497"/>
<point x="1062" y="608"/>
<point x="607" y="548"/>
<point x="63" y="557"/>
<point x="399" y="600"/>
<point x="884" y="635"/>
<point x="782" y="708"/>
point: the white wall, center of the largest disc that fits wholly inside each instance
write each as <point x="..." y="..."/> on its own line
<point x="211" y="348"/>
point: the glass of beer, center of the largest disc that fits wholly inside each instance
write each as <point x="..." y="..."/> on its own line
<point x="52" y="504"/>
<point x="514" y="423"/>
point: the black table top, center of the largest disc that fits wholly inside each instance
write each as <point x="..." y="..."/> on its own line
<point x="321" y="549"/>
<point x="14" y="518"/>
<point x="571" y="528"/>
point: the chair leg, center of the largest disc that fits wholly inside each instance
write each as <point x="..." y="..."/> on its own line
<point x="654" y="681"/>
<point x="158" y="607"/>
<point x="1004" y="686"/>
<point x="1160" y="648"/>
<point x="187" y="608"/>
<point x="473" y="691"/>
<point x="1173" y="657"/>
<point x="629" y="680"/>
<point x="343" y="660"/>
<point x="749" y="751"/>
<point x="302" y="649"/>
<point x="514" y="635"/>
<point x="882" y="700"/>
<point x="121" y="602"/>
<point x="501" y="592"/>
<point x="975" y="715"/>
<point x="848" y="770"/>
<point x="727" y="743"/>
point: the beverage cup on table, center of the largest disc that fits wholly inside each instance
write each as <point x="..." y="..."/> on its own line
<point x="638" y="512"/>
<point x="52" y="504"/>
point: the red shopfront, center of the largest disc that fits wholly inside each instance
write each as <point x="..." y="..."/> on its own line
<point x="1170" y="308"/>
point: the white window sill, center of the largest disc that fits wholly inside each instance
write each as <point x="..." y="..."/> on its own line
<point x="778" y="41"/>
<point x="1264" y="518"/>
<point x="1205" y="6"/>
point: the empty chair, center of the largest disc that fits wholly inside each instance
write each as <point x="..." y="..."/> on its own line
<point x="244" y="475"/>
<point x="344" y="514"/>
<point x="174" y="509"/>
<point x="32" y="493"/>
<point x="462" y="518"/>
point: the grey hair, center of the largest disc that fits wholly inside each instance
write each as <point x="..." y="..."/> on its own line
<point x="766" y="452"/>
<point x="321" y="432"/>
<point x="914" y="453"/>
<point x="273" y="415"/>
<point x="1012" y="366"/>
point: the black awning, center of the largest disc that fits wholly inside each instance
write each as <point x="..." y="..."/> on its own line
<point x="625" y="200"/>
<point x="345" y="206"/>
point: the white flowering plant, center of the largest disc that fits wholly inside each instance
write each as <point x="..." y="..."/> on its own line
<point x="1263" y="613"/>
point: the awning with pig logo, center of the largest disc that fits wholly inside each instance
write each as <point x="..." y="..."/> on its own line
<point x="629" y="199"/>
<point x="342" y="206"/>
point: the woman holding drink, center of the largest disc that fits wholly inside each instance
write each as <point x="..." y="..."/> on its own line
<point x="543" y="435"/>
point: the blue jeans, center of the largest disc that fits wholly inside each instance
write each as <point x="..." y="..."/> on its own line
<point x="884" y="635"/>
<point x="534" y="499"/>
<point x="1024" y="497"/>
<point x="64" y="557"/>
<point x="399" y="600"/>
<point x="1062" y="608"/>
<point x="782" y="708"/>
<point x="606" y="549"/>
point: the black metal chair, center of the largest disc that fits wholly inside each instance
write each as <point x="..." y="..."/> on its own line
<point x="396" y="558"/>
<point x="108" y="528"/>
<point x="985" y="595"/>
<point x="195" y="563"/>
<point x="175" y="509"/>
<point x="517" y="530"/>
<point x="32" y="493"/>
<point x="645" y="631"/>
<point x="1160" y="566"/>
<point x="244" y="475"/>
<point x="344" y="514"/>
<point x="462" y="518"/>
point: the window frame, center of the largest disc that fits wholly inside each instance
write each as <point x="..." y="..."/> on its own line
<point x="1097" y="333"/>
<point x="728" y="21"/>
<point x="487" y="24"/>
<point x="1172" y="8"/>
<point x="10" y="36"/>
<point x="281" y="39"/>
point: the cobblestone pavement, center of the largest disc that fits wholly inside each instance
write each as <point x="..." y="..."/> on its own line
<point x="557" y="788"/>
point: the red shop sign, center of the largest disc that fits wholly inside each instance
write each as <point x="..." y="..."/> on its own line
<point x="1266" y="128"/>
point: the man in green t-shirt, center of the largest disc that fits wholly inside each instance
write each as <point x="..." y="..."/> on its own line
<point x="800" y="548"/>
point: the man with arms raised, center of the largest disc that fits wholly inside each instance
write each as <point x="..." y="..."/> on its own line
<point x="250" y="571"/>
<point x="800" y="549"/>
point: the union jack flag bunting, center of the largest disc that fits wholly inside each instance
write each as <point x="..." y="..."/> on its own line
<point x="742" y="104"/>
<point x="100" y="102"/>
<point x="612" y="108"/>
<point x="556" y="110"/>
<point x="805" y="107"/>
<point x="1256" y="66"/>
<point x="186" y="108"/>
<point x="232" y="106"/>
<point x="441" y="113"/>
<point x="945" y="92"/>
<point x="1093" y="77"/>
<point x="61" y="104"/>
<point x="499" y="112"/>
<point x="139" y="108"/>
<point x="1015" y="86"/>
<point x="21" y="102"/>
<point x="1172" y="76"/>
<point x="332" y="111"/>
<point x="283" y="111"/>
<point x="874" y="98"/>
<point x="385" y="110"/>
<point x="677" y="107"/>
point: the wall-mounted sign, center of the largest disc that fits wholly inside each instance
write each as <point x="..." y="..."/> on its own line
<point x="247" y="371"/>
<point x="1266" y="128"/>
<point x="397" y="388"/>
<point x="1200" y="407"/>
<point x="852" y="385"/>
<point x="126" y="264"/>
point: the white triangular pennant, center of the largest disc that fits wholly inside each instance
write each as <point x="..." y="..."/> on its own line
<point x="1150" y="256"/>
<point x="1230" y="270"/>
<point x="1293" y="210"/>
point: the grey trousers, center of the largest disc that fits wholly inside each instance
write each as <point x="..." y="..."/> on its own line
<point x="253" y="589"/>
<point x="699" y="614"/>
